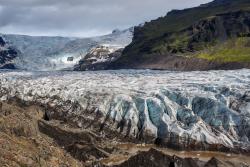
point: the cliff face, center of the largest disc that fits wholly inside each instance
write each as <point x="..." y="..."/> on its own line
<point x="184" y="35"/>
<point x="7" y="55"/>
<point x="215" y="29"/>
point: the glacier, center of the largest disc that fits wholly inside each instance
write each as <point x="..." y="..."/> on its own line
<point x="41" y="53"/>
<point x="207" y="110"/>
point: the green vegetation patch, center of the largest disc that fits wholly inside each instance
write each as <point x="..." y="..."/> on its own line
<point x="234" y="50"/>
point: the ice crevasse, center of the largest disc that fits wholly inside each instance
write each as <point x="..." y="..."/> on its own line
<point x="203" y="110"/>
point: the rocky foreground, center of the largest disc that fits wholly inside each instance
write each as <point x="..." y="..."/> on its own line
<point x="29" y="138"/>
<point x="88" y="118"/>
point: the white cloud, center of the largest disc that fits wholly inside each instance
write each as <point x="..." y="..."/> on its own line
<point x="81" y="17"/>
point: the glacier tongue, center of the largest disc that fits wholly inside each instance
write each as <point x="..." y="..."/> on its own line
<point x="207" y="110"/>
<point x="53" y="53"/>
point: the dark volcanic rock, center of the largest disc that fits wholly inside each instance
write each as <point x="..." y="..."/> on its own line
<point x="70" y="59"/>
<point x="214" y="162"/>
<point x="154" y="158"/>
<point x="220" y="27"/>
<point x="2" y="42"/>
<point x="7" y="55"/>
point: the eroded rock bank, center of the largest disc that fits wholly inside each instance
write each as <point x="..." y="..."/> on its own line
<point x="22" y="143"/>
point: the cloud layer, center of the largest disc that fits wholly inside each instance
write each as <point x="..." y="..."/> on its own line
<point x="81" y="17"/>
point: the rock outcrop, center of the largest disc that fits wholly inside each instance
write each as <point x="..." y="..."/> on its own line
<point x="99" y="58"/>
<point x="154" y="158"/>
<point x="7" y="55"/>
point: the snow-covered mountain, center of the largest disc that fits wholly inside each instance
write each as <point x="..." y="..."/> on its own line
<point x="57" y="53"/>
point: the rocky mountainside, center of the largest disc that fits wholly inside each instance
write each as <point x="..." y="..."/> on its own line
<point x="212" y="36"/>
<point x="58" y="53"/>
<point x="7" y="55"/>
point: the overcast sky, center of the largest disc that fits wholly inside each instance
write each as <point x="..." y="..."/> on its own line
<point x="81" y="17"/>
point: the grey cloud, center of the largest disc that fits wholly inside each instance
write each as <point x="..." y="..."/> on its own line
<point x="81" y="17"/>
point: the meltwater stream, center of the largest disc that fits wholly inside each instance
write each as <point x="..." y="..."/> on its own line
<point x="208" y="109"/>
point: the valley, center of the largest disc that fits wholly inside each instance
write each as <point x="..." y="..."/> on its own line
<point x="170" y="92"/>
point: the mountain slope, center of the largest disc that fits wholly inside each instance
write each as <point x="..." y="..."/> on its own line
<point x="182" y="34"/>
